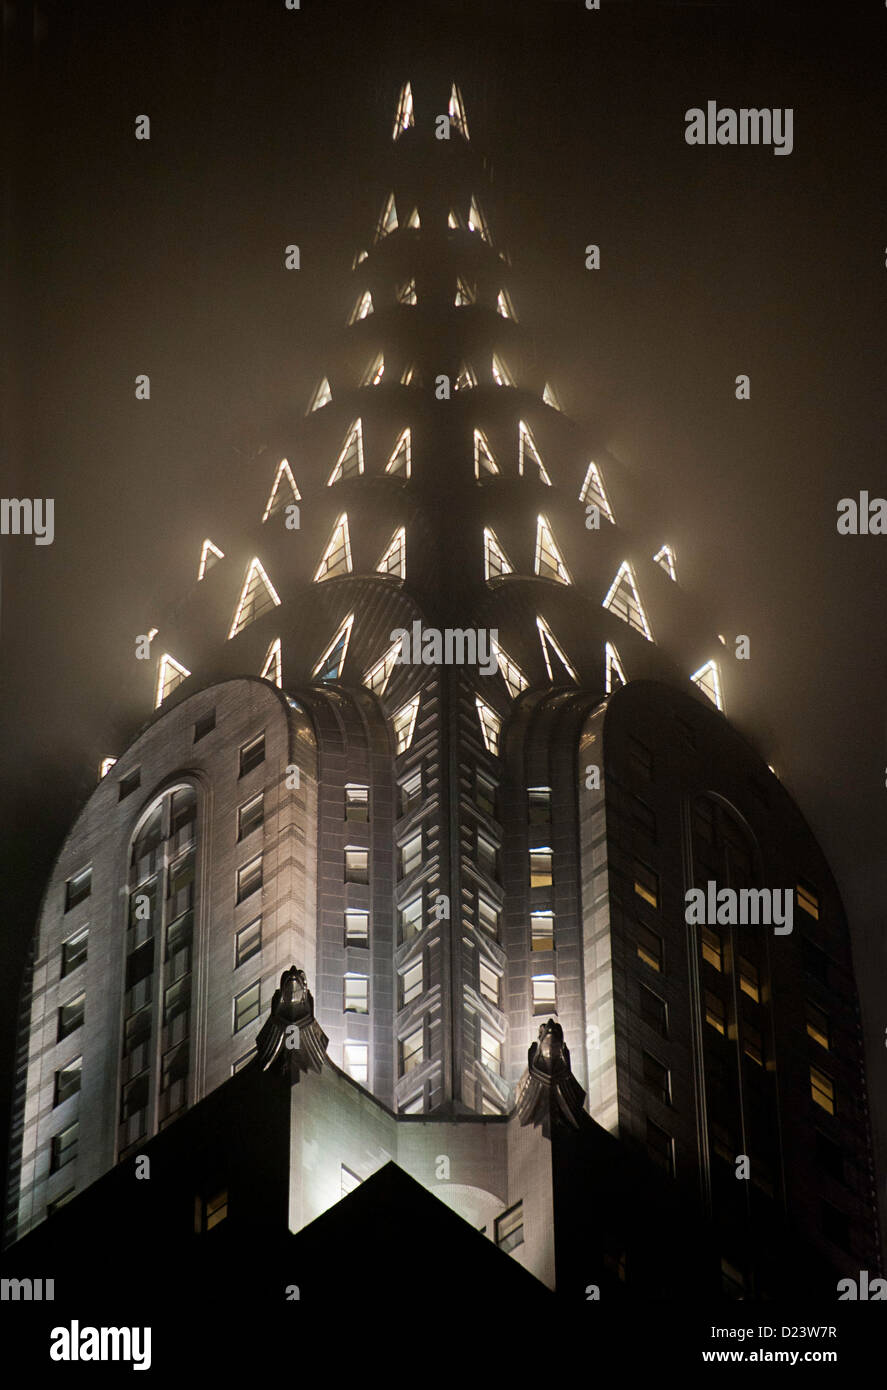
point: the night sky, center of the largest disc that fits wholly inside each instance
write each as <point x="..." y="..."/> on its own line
<point x="271" y="126"/>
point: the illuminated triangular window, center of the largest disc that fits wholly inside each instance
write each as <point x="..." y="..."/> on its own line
<point x="329" y="667"/>
<point x="466" y="379"/>
<point x="394" y="559"/>
<point x="708" y="678"/>
<point x="483" y="459"/>
<point x="374" y="372"/>
<point x="400" y="461"/>
<point x="337" y="556"/>
<point x="407" y="293"/>
<point x="496" y="562"/>
<point x="273" y="667"/>
<point x="350" y="460"/>
<point x="549" y="562"/>
<point x="457" y="111"/>
<point x="170" y="674"/>
<point x="257" y="596"/>
<point x="454" y="220"/>
<point x="624" y="601"/>
<point x="378" y="676"/>
<point x="283" y="493"/>
<point x="477" y="222"/>
<point x="359" y="257"/>
<point x="404" y="117"/>
<point x="501" y="375"/>
<point x="362" y="308"/>
<point x="528" y="453"/>
<point x="552" y="651"/>
<point x="613" y="672"/>
<point x="504" y="306"/>
<point x="665" y="558"/>
<point x="404" y="724"/>
<point x="322" y="396"/>
<point x="387" y="219"/>
<point x="411" y="376"/>
<point x="464" y="293"/>
<point x="511" y="673"/>
<point x="209" y="556"/>
<point x="593" y="491"/>
<point x="490" y="726"/>
<point x="549" y="396"/>
<point x="413" y="219"/>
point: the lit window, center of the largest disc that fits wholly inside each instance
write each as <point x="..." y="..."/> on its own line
<point x="412" y="1050"/>
<point x="357" y="865"/>
<point x="387" y="218"/>
<point x="74" y="951"/>
<point x="649" y="946"/>
<point x="656" y="1078"/>
<point x="511" y="673"/>
<point x="483" y="458"/>
<point x="356" y="1058"/>
<point x="252" y="754"/>
<point x="712" y="948"/>
<point x="490" y="1051"/>
<point x="411" y="854"/>
<point x="540" y="868"/>
<point x="549" y="563"/>
<point x="549" y="397"/>
<point x="64" y="1147"/>
<point x="623" y="600"/>
<point x="748" y="979"/>
<point x="489" y="983"/>
<point x="504" y="306"/>
<point x="528" y="453"/>
<point x="400" y="462"/>
<point x="357" y="994"/>
<point x="247" y="1006"/>
<point x="551" y="649"/>
<point x="646" y="883"/>
<point x="753" y="1044"/>
<point x="348" y="1180"/>
<point x="256" y="597"/>
<point x="510" y="1228"/>
<point x="496" y="562"/>
<point x="322" y="396"/>
<point x="660" y="1147"/>
<point x="67" y="1081"/>
<point x="490" y="725"/>
<point x="464" y="293"/>
<point x="501" y="375"/>
<point x="822" y="1089"/>
<point x="77" y="888"/>
<point x="402" y="121"/>
<point x="410" y="918"/>
<point x="404" y="723"/>
<point x="477" y="222"/>
<point x="393" y="561"/>
<point x="808" y="899"/>
<point x="209" y="556"/>
<point x="456" y="111"/>
<point x="214" y="1210"/>
<point x="357" y="928"/>
<point x="248" y="942"/>
<point x="357" y="802"/>
<point x="544" y="994"/>
<point x="664" y="557"/>
<point x="284" y="491"/>
<point x="336" y="559"/>
<point x="249" y="878"/>
<point x="487" y="916"/>
<point x="614" y="673"/>
<point x="654" y="1011"/>
<point x="378" y="676"/>
<point x="350" y="460"/>
<point x="465" y="380"/>
<point x="411" y="983"/>
<point x="329" y="667"/>
<point x="715" y="1013"/>
<point x="709" y="682"/>
<point x="70" y="1017"/>
<point x="542" y="930"/>
<point x="374" y="372"/>
<point x="170" y="674"/>
<point x="250" y="816"/>
<point x="818" y="1025"/>
<point x="593" y="492"/>
<point x="539" y="799"/>
<point x="272" y="666"/>
<point x="406" y="294"/>
<point x="362" y="309"/>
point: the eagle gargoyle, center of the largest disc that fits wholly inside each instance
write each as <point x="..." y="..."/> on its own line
<point x="291" y="1040"/>
<point x="548" y="1091"/>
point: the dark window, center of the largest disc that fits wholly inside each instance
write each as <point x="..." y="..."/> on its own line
<point x="246" y="1007"/>
<point x="816" y="962"/>
<point x="829" y="1156"/>
<point x="485" y="793"/>
<point x="129" y="783"/>
<point x="77" y="888"/>
<point x="140" y="964"/>
<point x="59" y="1202"/>
<point x="410" y="791"/>
<point x="204" y="725"/>
<point x="249" y="879"/>
<point x="250" y="816"/>
<point x="183" y="810"/>
<point x="252" y="754"/>
<point x="137" y="1030"/>
<point x="640" y="758"/>
<point x="357" y="802"/>
<point x="656" y="1078"/>
<point x="64" y="1147"/>
<point x="836" y="1226"/>
<point x="753" y="1044"/>
<point x="660" y="1147"/>
<point x="510" y="1228"/>
<point x="649" y="946"/>
<point x="654" y="1011"/>
<point x="71" y="1017"/>
<point x="135" y="1096"/>
<point x="67" y="1081"/>
<point x="179" y="934"/>
<point x="177" y="1000"/>
<point x="818" y="1027"/>
<point x="539" y="799"/>
<point x="643" y="817"/>
<point x="686" y="731"/>
<point x="74" y="951"/>
<point x="248" y="942"/>
<point x="174" y="1066"/>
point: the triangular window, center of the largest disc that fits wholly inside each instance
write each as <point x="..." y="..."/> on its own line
<point x="464" y="294"/>
<point x="549" y="562"/>
<point x="322" y="396"/>
<point x="527" y="453"/>
<point x="387" y="219"/>
<point x="404" y="724"/>
<point x="359" y="256"/>
<point x="466" y="379"/>
<point x="378" y="676"/>
<point x="362" y="308"/>
<point x="490" y="726"/>
<point x="256" y="597"/>
<point x="209" y="556"/>
<point x="457" y="114"/>
<point x="170" y="674"/>
<point x="411" y="376"/>
<point x="337" y="556"/>
<point x="283" y="493"/>
<point x="350" y="460"/>
<point x="496" y="562"/>
<point x="549" y="397"/>
<point x="413" y="219"/>
<point x="613" y="672"/>
<point x="477" y="222"/>
<point x="454" y="220"/>
<point x="273" y="667"/>
<point x="400" y="461"/>
<point x="504" y="305"/>
<point x="374" y="372"/>
<point x="624" y="601"/>
<point x="665" y="558"/>
<point x="593" y="491"/>
<point x="552" y="651"/>
<point x="407" y="293"/>
<point x="483" y="459"/>
<point x="511" y="673"/>
<point x="394" y="559"/>
<point x="329" y="667"/>
<point x="501" y="375"/>
<point x="708" y="678"/>
<point x="404" y="118"/>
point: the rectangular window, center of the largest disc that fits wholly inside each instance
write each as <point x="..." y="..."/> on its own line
<point x="357" y="802"/>
<point x="243" y="1061"/>
<point x="485" y="793"/>
<point x="53" y="1207"/>
<point x="487" y="916"/>
<point x="180" y="884"/>
<point x="129" y="783"/>
<point x="412" y="1050"/>
<point x="656" y="1078"/>
<point x="357" y="865"/>
<point x="712" y="948"/>
<point x="542" y="930"/>
<point x="722" y="1142"/>
<point x="348" y="1180"/>
<point x="540" y="867"/>
<point x="249" y="878"/>
<point x="748" y="979"/>
<point x="715" y="1012"/>
<point x="174" y="1066"/>
<point x="539" y="799"/>
<point x="646" y="883"/>
<point x="137" y="1029"/>
<point x="643" y="817"/>
<point x="488" y="983"/>
<point x="70" y="1017"/>
<point x="74" y="951"/>
<point x="215" y="1209"/>
<point x="410" y="791"/>
<point x="816" y="962"/>
<point x="78" y="887"/>
<point x="487" y="857"/>
<point x="649" y="946"/>
<point x="247" y="942"/>
<point x="753" y="1044"/>
<point x="204" y="725"/>
<point x="140" y="963"/>
<point x="829" y="1156"/>
<point x="67" y="1081"/>
<point x="808" y="899"/>
<point x="247" y="1006"/>
<point x="640" y="759"/>
<point x="660" y="1147"/>
<point x="357" y="1065"/>
<point x="544" y="994"/>
<point x="411" y="983"/>
<point x="357" y="994"/>
<point x="510" y="1228"/>
<point x="64" y="1147"/>
<point x="410" y="918"/>
<point x="411" y="854"/>
<point x="252" y="754"/>
<point x="357" y="928"/>
<point x="822" y="1089"/>
<point x="250" y="816"/>
<point x="491" y="1051"/>
<point x="413" y="1107"/>
<point x="176" y="1001"/>
<point x="654" y="1011"/>
<point x="818" y="1027"/>
<point x="836" y="1226"/>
